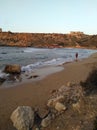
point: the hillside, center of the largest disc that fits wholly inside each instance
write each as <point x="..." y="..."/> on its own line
<point x="74" y="39"/>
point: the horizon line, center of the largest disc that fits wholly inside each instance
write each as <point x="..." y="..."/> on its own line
<point x="46" y="32"/>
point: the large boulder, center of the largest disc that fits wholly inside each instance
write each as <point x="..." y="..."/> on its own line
<point x="23" y="118"/>
<point x="12" y="69"/>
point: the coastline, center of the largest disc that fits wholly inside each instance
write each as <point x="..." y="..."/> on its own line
<point x="35" y="94"/>
<point x="33" y="76"/>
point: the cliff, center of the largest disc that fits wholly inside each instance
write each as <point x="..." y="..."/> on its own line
<point x="73" y="39"/>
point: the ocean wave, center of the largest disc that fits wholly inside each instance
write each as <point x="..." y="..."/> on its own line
<point x="33" y="58"/>
<point x="27" y="50"/>
<point x="30" y="67"/>
<point x="55" y="62"/>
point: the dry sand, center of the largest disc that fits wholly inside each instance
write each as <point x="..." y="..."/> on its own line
<point x="36" y="93"/>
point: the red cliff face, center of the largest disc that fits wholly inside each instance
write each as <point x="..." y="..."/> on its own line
<point x="47" y="40"/>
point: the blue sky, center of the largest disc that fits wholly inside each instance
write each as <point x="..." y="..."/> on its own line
<point x="49" y="16"/>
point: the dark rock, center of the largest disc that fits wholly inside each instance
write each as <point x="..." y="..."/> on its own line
<point x="2" y="80"/>
<point x="37" y="119"/>
<point x="35" y="76"/>
<point x="30" y="77"/>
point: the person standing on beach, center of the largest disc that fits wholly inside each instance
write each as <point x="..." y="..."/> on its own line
<point x="76" y="55"/>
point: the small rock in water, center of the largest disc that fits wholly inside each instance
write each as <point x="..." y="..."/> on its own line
<point x="35" y="76"/>
<point x="30" y="77"/>
<point x="2" y="80"/>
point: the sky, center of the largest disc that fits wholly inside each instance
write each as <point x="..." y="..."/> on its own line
<point x="49" y="16"/>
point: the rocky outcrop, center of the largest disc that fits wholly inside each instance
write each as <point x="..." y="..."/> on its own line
<point x="67" y="107"/>
<point x="74" y="39"/>
<point x="23" y="118"/>
<point x="12" y="69"/>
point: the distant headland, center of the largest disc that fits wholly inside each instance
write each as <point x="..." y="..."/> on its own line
<point x="48" y="40"/>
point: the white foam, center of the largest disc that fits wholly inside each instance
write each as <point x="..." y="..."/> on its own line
<point x="3" y="75"/>
<point x="54" y="62"/>
<point x="31" y="66"/>
<point x="58" y="61"/>
<point x="27" y="50"/>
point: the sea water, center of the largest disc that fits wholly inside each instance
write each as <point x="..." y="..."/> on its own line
<point x="34" y="58"/>
<point x="37" y="61"/>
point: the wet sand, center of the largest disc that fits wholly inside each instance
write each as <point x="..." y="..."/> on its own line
<point x="36" y="93"/>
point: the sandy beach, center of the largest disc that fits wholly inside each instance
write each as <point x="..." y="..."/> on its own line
<point x="36" y="93"/>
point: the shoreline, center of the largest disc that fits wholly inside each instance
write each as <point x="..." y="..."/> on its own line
<point x="36" y="94"/>
<point x="37" y="74"/>
<point x="34" y="76"/>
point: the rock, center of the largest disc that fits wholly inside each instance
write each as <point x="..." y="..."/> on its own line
<point x="70" y="84"/>
<point x="60" y="107"/>
<point x="37" y="119"/>
<point x="18" y="78"/>
<point x="3" y="77"/>
<point x="23" y="118"/>
<point x="53" y="91"/>
<point x="13" y="69"/>
<point x="30" y="77"/>
<point x="43" y="112"/>
<point x="35" y="76"/>
<point x="2" y="80"/>
<point x="52" y="102"/>
<point x="46" y="121"/>
<point x="37" y="129"/>
<point x="61" y="89"/>
<point x="76" y="106"/>
<point x="58" y="128"/>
